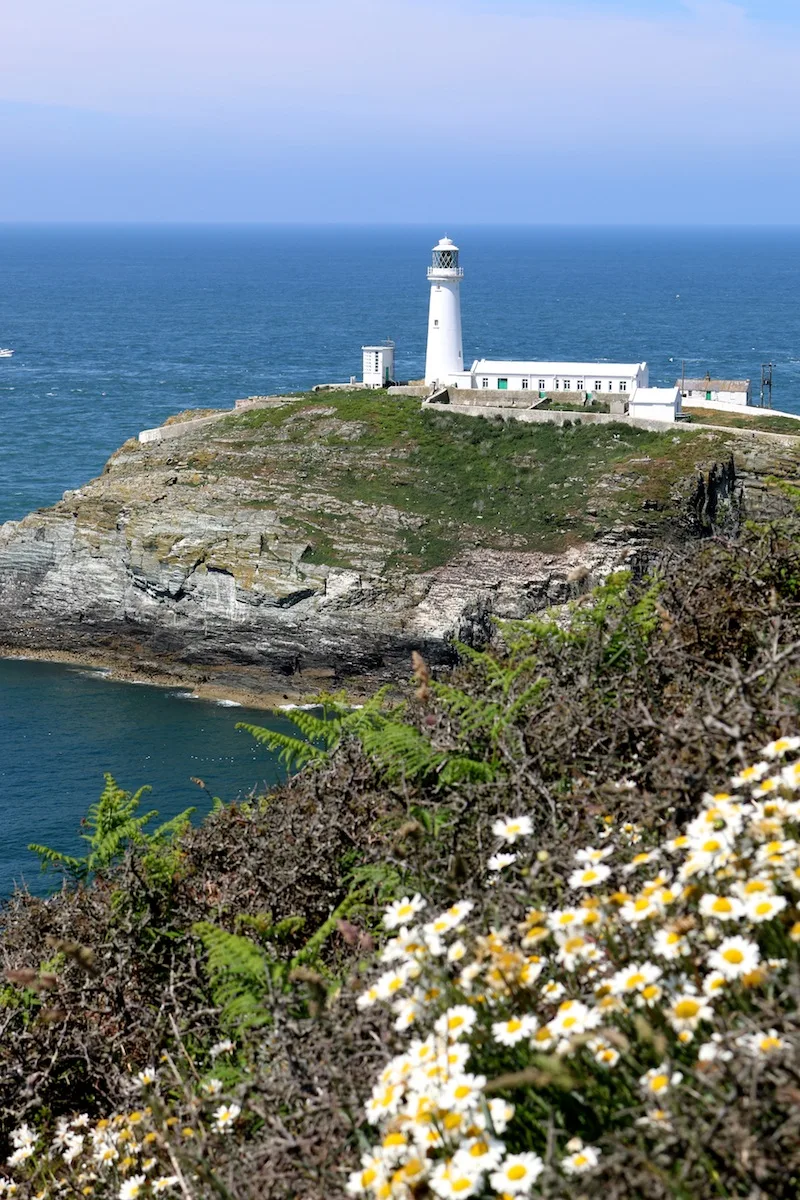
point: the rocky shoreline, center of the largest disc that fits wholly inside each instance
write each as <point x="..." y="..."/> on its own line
<point x="245" y="564"/>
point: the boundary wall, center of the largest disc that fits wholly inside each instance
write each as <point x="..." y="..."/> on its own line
<point x="163" y="433"/>
<point x="551" y="416"/>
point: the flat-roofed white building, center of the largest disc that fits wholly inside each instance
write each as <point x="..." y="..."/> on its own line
<point x="378" y="365"/>
<point x="655" y="404"/>
<point x="700" y="392"/>
<point x="595" y="379"/>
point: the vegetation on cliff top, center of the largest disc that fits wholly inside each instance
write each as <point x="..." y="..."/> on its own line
<point x="210" y="1018"/>
<point x="456" y="482"/>
<point x="761" y="419"/>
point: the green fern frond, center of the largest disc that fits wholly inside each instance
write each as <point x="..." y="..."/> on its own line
<point x="113" y="824"/>
<point x="461" y="769"/>
<point x="294" y="752"/>
<point x="54" y="859"/>
<point x="238" y="975"/>
<point x="174" y="828"/>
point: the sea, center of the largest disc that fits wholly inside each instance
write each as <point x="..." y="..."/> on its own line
<point x="116" y="327"/>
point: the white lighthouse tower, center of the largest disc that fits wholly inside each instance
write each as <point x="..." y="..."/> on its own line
<point x="445" y="355"/>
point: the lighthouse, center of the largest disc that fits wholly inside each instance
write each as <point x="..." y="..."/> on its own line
<point x="445" y="355"/>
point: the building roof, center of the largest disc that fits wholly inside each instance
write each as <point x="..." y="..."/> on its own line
<point x="655" y="395"/>
<point x="446" y="244"/>
<point x="581" y="370"/>
<point x="713" y="385"/>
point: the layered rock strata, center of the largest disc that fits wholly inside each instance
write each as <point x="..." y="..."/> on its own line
<point x="195" y="561"/>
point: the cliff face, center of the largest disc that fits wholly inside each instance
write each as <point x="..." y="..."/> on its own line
<point x="317" y="542"/>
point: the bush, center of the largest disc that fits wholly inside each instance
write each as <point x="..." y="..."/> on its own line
<point x="621" y="715"/>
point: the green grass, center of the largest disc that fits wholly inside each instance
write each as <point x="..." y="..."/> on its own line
<point x="762" y="420"/>
<point x="465" y="481"/>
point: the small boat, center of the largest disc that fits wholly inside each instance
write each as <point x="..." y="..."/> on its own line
<point x="6" y="353"/>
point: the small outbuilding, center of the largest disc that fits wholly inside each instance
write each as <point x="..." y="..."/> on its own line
<point x="378" y="365"/>
<point x="655" y="404"/>
<point x="702" y="392"/>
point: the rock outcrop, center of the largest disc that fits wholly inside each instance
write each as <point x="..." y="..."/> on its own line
<point x="231" y="557"/>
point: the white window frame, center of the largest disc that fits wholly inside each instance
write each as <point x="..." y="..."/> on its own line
<point x="567" y="385"/>
<point x="580" y="384"/>
<point x="484" y="382"/>
<point x="542" y="385"/>
<point x="623" y="385"/>
<point x="525" y="385"/>
<point x="598" y="385"/>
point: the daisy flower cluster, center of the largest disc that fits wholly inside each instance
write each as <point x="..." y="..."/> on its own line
<point x="132" y="1155"/>
<point x="648" y="978"/>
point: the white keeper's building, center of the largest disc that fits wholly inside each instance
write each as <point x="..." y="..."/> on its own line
<point x="598" y="379"/>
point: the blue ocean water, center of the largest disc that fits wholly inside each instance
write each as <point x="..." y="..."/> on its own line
<point x="115" y="328"/>
<point x="62" y="728"/>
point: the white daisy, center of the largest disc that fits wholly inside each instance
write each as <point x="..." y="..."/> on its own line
<point x="669" y="945"/>
<point x="734" y="957"/>
<point x="499" y="862"/>
<point x="658" y="1080"/>
<point x="456" y="1022"/>
<point x="721" y="908"/>
<point x="450" y="1180"/>
<point x="463" y="1091"/>
<point x="686" y="1011"/>
<point x="590" y="855"/>
<point x="764" y="908"/>
<point x="401" y="912"/>
<point x="582" y="1159"/>
<point x="132" y="1187"/>
<point x="515" y="1029"/>
<point x="762" y="1045"/>
<point x="781" y="746"/>
<point x="517" y="1174"/>
<point x="751" y="774"/>
<point x="510" y="829"/>
<point x="591" y="876"/>
<point x="634" y="978"/>
<point x="225" y="1117"/>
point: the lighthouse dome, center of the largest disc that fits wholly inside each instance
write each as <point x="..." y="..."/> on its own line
<point x="445" y="256"/>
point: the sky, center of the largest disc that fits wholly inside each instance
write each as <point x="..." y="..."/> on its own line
<point x="401" y="111"/>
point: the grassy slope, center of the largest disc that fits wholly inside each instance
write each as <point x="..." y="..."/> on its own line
<point x="748" y="420"/>
<point x="463" y="481"/>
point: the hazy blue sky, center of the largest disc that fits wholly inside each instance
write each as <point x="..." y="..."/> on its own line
<point x="400" y="110"/>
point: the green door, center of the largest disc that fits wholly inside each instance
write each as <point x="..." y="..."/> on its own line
<point x="708" y="395"/>
<point x="502" y="385"/>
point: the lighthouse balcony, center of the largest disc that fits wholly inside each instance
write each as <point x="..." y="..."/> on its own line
<point x="445" y="272"/>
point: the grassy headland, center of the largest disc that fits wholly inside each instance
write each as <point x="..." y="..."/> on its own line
<point x="461" y="481"/>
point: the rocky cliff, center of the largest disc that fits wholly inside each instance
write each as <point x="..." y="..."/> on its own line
<point x="315" y="542"/>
